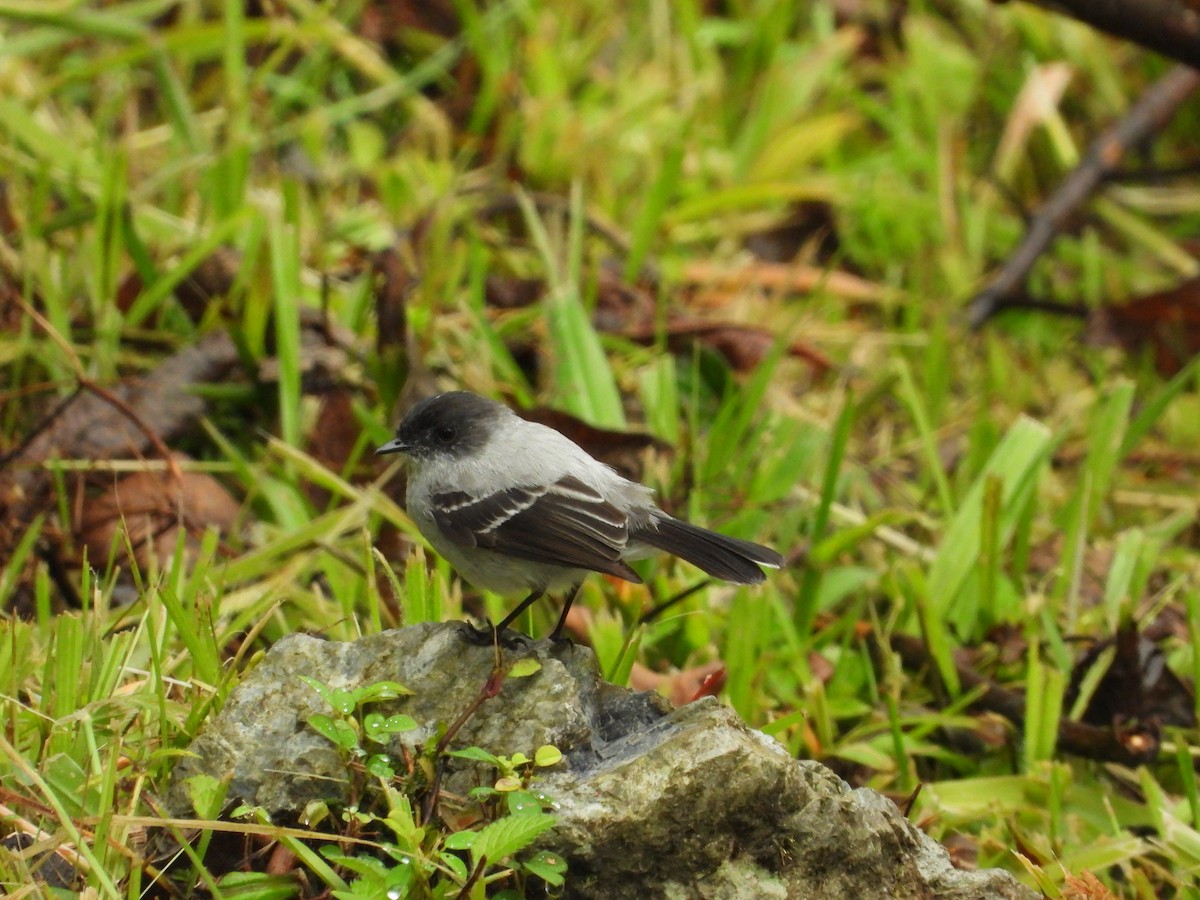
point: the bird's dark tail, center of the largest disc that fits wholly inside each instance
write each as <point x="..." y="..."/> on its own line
<point x="727" y="558"/>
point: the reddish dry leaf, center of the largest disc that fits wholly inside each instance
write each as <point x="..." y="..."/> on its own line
<point x="210" y="280"/>
<point x="129" y="290"/>
<point x="394" y="279"/>
<point x="622" y="307"/>
<point x="1085" y="886"/>
<point x="682" y="687"/>
<point x="742" y="346"/>
<point x="712" y="685"/>
<point x="88" y="426"/>
<point x="1009" y="642"/>
<point x="282" y="861"/>
<point x="386" y="23"/>
<point x="9" y="224"/>
<point x="777" y="278"/>
<point x="333" y="438"/>
<point x="1167" y="322"/>
<point x="631" y="311"/>
<point x="963" y="850"/>
<point x="151" y="507"/>
<point x="511" y="292"/>
<point x="11" y="313"/>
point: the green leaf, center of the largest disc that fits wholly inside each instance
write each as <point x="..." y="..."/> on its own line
<point x="400" y="817"/>
<point x="258" y="885"/>
<point x="1015" y="464"/>
<point x="207" y="795"/>
<point x="359" y="864"/>
<point x="547" y="755"/>
<point x="456" y="865"/>
<point x="547" y="866"/>
<point x="315" y="812"/>
<point x="380" y="765"/>
<point x="377" y="727"/>
<point x="461" y="840"/>
<point x="341" y="700"/>
<point x="478" y="754"/>
<point x="506" y="836"/>
<point x="382" y="690"/>
<point x="524" y="667"/>
<point x="339" y="731"/>
<point x="522" y="803"/>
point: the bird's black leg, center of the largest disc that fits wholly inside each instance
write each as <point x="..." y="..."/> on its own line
<point x="521" y="607"/>
<point x="556" y="634"/>
<point x="491" y="634"/>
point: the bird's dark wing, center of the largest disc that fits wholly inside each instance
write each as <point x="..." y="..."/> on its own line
<point x="565" y="524"/>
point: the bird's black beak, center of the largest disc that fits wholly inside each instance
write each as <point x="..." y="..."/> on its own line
<point x="394" y="446"/>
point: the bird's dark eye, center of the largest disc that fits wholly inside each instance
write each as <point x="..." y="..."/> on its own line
<point x="446" y="433"/>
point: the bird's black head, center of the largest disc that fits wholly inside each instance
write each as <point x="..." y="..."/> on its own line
<point x="455" y="424"/>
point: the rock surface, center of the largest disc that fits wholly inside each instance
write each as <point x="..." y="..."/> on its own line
<point x="651" y="802"/>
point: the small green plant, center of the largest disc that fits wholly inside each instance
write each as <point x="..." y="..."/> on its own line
<point x="420" y="849"/>
<point x="352" y="725"/>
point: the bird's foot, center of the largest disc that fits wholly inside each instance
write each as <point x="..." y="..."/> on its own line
<point x="490" y="636"/>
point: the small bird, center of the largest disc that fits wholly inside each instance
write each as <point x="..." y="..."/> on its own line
<point x="517" y="506"/>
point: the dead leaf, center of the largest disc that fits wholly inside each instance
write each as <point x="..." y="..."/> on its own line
<point x="1167" y="322"/>
<point x="963" y="850"/>
<point x="742" y="346"/>
<point x="1138" y="694"/>
<point x="386" y="23"/>
<point x="152" y="507"/>
<point x="86" y="426"/>
<point x="212" y="279"/>
<point x="1085" y="886"/>
<point x="622" y="306"/>
<point x="394" y="281"/>
<point x="682" y="687"/>
<point x="809" y="226"/>
<point x="511" y="292"/>
<point x="333" y="438"/>
<point x="778" y="278"/>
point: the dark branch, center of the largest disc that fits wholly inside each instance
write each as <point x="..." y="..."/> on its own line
<point x="1171" y="27"/>
<point x="1104" y="157"/>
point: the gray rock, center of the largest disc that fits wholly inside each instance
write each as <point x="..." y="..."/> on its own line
<point x="650" y="801"/>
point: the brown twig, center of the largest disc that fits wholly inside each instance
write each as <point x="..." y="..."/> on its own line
<point x="1146" y="117"/>
<point x="1076" y="738"/>
<point x="151" y="436"/>
<point x="476" y="874"/>
<point x="19" y="450"/>
<point x="86" y="384"/>
<point x="491" y="687"/>
<point x="1170" y="27"/>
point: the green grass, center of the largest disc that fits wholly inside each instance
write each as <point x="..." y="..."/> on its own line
<point x="947" y="485"/>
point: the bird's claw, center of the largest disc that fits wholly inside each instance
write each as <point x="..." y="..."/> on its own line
<point x="488" y="636"/>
